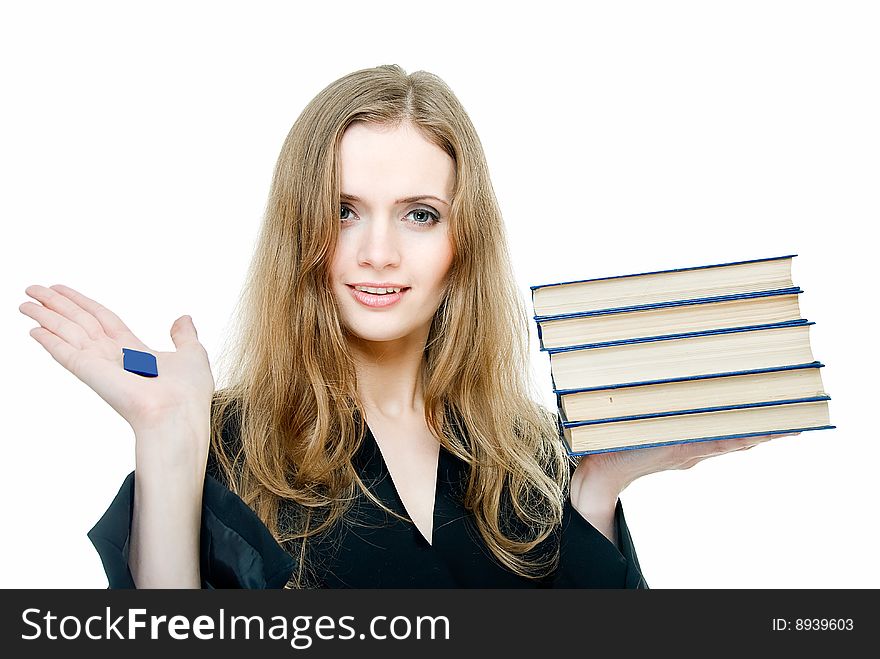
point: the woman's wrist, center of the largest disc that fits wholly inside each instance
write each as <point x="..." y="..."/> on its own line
<point x="175" y="451"/>
<point x="594" y="495"/>
<point x="595" y="498"/>
<point x="595" y="484"/>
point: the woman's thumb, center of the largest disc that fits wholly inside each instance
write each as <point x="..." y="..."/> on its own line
<point x="183" y="331"/>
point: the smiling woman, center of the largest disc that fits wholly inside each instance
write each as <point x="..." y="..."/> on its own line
<point x="376" y="425"/>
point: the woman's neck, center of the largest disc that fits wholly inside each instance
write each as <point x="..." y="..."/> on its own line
<point x="390" y="377"/>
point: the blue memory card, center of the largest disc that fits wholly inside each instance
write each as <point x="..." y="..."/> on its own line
<point x="142" y="363"/>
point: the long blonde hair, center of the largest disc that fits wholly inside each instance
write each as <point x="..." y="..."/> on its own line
<point x="292" y="384"/>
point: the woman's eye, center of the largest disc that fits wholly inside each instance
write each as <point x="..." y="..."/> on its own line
<point x="423" y="216"/>
<point x="342" y="211"/>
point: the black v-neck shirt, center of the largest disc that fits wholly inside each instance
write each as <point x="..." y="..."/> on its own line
<point x="370" y="548"/>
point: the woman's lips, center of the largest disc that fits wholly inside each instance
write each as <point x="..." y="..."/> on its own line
<point x="375" y="300"/>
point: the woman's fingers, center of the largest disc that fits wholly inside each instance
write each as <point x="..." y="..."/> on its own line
<point x="61" y="351"/>
<point x="67" y="308"/>
<point x="690" y="463"/>
<point x="108" y="321"/>
<point x="95" y="320"/>
<point x="51" y="318"/>
<point x="722" y="446"/>
<point x="80" y="339"/>
<point x="703" y="450"/>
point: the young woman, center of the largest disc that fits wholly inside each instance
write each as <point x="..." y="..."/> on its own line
<point x="378" y="427"/>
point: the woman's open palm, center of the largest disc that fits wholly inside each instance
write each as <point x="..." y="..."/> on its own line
<point x="87" y="339"/>
<point x="620" y="468"/>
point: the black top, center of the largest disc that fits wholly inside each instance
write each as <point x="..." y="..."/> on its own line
<point x="370" y="548"/>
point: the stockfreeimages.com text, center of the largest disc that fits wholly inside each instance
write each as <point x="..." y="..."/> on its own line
<point x="299" y="630"/>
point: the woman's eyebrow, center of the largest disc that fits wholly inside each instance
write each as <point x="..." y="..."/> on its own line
<point x="405" y="200"/>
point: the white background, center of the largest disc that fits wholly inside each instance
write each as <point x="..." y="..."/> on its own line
<point x="137" y="143"/>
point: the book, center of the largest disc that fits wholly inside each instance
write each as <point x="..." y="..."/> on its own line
<point x="663" y="286"/>
<point x="697" y="425"/>
<point x="680" y="355"/>
<point x="701" y="391"/>
<point x="684" y="355"/>
<point x="756" y="308"/>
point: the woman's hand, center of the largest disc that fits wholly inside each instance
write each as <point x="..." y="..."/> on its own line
<point x="87" y="339"/>
<point x="601" y="477"/>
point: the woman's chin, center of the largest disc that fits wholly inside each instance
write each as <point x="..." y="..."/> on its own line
<point x="383" y="331"/>
<point x="378" y="335"/>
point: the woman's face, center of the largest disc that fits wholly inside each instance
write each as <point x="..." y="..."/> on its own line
<point x="396" y="188"/>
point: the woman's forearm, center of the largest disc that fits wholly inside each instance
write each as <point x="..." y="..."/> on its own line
<point x="166" y="516"/>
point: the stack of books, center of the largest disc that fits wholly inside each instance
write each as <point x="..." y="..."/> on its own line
<point x="686" y="355"/>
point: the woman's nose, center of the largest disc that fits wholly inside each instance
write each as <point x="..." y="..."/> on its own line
<point x="380" y="242"/>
